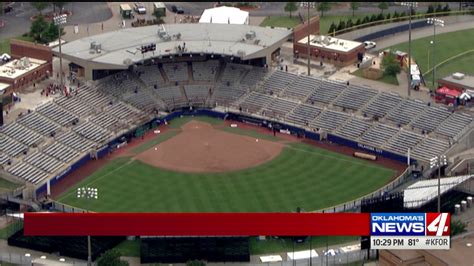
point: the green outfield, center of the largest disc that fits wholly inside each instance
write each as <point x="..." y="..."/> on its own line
<point x="301" y="176"/>
<point x="448" y="46"/>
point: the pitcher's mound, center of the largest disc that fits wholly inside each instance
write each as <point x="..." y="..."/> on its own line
<point x="201" y="149"/>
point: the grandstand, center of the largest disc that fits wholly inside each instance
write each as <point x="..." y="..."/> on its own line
<point x="102" y="109"/>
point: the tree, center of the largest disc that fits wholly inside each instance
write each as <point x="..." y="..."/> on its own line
<point x="382" y="6"/>
<point x="439" y="8"/>
<point x="342" y="25"/>
<point x="195" y="263"/>
<point x="291" y="7"/>
<point x="332" y="28"/>
<point x="446" y="8"/>
<point x="373" y="18"/>
<point x="366" y="20"/>
<point x="110" y="258"/>
<point x="457" y="227"/>
<point x="388" y="16"/>
<point x="380" y="17"/>
<point x="354" y="7"/>
<point x="430" y="9"/>
<point x="358" y="22"/>
<point x="390" y="65"/>
<point x="323" y="7"/>
<point x="40" y="6"/>
<point x="44" y="32"/>
<point x="349" y="23"/>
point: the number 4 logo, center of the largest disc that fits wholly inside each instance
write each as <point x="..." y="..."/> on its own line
<point x="438" y="224"/>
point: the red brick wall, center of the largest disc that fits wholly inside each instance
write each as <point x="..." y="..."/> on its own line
<point x="22" y="48"/>
<point x="302" y="30"/>
<point x="27" y="79"/>
<point x="327" y="55"/>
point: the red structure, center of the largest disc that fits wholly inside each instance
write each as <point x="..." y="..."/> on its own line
<point x="446" y="95"/>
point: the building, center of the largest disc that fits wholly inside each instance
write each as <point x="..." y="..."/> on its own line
<point x="457" y="81"/>
<point x="329" y="49"/>
<point x="225" y="15"/>
<point x="99" y="55"/>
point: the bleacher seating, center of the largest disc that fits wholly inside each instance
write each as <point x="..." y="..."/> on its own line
<point x="401" y="142"/>
<point x="197" y="93"/>
<point x="330" y="120"/>
<point x="379" y="134"/>
<point x="454" y="125"/>
<point x="93" y="132"/>
<point x="11" y="146"/>
<point x="224" y="94"/>
<point x="75" y="141"/>
<point x="44" y="162"/>
<point x="382" y="104"/>
<point x="205" y="71"/>
<point x="279" y="108"/>
<point x="232" y="73"/>
<point x="429" y="148"/>
<point x="176" y="71"/>
<point x="406" y="112"/>
<point x="75" y="105"/>
<point x="253" y="76"/>
<point x="327" y="91"/>
<point x="4" y="159"/>
<point x="92" y="97"/>
<point x="354" y="128"/>
<point x="54" y="112"/>
<point x="355" y="97"/>
<point x="143" y="100"/>
<point x="60" y="152"/>
<point x="105" y="120"/>
<point x="172" y="96"/>
<point x="28" y="172"/>
<point x="38" y="123"/>
<point x="278" y="81"/>
<point x="151" y="75"/>
<point x="255" y="102"/>
<point x="302" y="87"/>
<point x="303" y="114"/>
<point x="431" y="118"/>
<point x="21" y="133"/>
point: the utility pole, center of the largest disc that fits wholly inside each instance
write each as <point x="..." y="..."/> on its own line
<point x="60" y="20"/>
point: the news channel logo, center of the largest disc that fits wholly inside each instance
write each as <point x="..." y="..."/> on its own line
<point x="410" y="224"/>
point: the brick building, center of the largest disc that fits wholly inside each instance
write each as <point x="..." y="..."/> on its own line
<point x="31" y="63"/>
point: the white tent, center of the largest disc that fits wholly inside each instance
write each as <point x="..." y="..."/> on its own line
<point x="225" y="15"/>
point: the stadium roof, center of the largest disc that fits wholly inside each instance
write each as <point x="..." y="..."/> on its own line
<point x="225" y="15"/>
<point x="423" y="191"/>
<point x="221" y="39"/>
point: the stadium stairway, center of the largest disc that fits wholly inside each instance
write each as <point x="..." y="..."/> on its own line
<point x="163" y="74"/>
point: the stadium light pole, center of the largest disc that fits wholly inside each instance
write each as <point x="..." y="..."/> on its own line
<point x="438" y="161"/>
<point x="410" y="6"/>
<point x="88" y="193"/>
<point x="435" y="22"/>
<point x="308" y="5"/>
<point x="58" y="21"/>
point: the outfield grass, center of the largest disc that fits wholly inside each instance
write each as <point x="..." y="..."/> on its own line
<point x="301" y="175"/>
<point x="180" y="121"/>
<point x="447" y="45"/>
<point x="5" y="43"/>
<point x="155" y="141"/>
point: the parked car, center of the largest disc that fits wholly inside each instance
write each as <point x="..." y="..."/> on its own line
<point x="177" y="9"/>
<point x="7" y="9"/>
<point x="369" y="45"/>
<point x="140" y="8"/>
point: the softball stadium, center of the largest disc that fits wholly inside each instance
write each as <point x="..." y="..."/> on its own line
<point x="201" y="118"/>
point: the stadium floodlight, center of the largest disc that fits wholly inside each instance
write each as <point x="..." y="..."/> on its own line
<point x="438" y="162"/>
<point x="411" y="6"/>
<point x="88" y="193"/>
<point x="435" y="22"/>
<point x="308" y="5"/>
<point x="58" y="21"/>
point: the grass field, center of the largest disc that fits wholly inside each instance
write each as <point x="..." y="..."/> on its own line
<point x="7" y="185"/>
<point x="301" y="175"/>
<point x="447" y="46"/>
<point x="324" y="22"/>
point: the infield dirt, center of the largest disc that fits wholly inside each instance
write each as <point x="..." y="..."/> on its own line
<point x="200" y="148"/>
